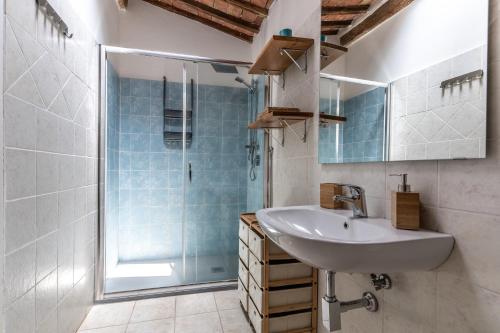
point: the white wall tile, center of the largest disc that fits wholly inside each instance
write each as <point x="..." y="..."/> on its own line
<point x="463" y="307"/>
<point x="19" y="272"/>
<point x="46" y="255"/>
<point x="20" y="124"/>
<point x="66" y="135"/>
<point x="66" y="172"/>
<point x="25" y="88"/>
<point x="20" y="174"/>
<point x="23" y="12"/>
<point x="46" y="297"/>
<point x="20" y="223"/>
<point x="45" y="78"/>
<point x="47" y="214"/>
<point x="20" y="316"/>
<point x="15" y="64"/>
<point x="47" y="138"/>
<point x="41" y="103"/>
<point x="46" y="173"/>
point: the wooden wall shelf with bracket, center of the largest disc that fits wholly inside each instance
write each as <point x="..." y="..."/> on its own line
<point x="279" y="53"/>
<point x="275" y="117"/>
<point x="330" y="52"/>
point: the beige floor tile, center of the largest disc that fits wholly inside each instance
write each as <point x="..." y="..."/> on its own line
<point x="153" y="309"/>
<point x="105" y="315"/>
<point x="111" y="329"/>
<point x="199" y="323"/>
<point x="154" y="326"/>
<point x="186" y="305"/>
<point x="227" y="300"/>
<point x="234" y="321"/>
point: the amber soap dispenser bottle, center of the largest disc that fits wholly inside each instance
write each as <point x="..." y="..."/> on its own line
<point x="405" y="206"/>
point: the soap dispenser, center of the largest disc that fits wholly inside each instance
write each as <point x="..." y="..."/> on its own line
<point x="405" y="206"/>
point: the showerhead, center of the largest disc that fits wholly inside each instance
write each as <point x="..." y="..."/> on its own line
<point x="242" y="81"/>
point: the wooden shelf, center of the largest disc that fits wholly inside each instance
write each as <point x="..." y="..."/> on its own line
<point x="271" y="60"/>
<point x="272" y="117"/>
<point x="330" y="52"/>
<point x="330" y="119"/>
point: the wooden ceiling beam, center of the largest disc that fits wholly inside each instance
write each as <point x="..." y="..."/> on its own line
<point x="245" y="25"/>
<point x="344" y="10"/>
<point x="336" y="24"/>
<point x="215" y="25"/>
<point x="122" y="4"/>
<point x="380" y="15"/>
<point x="257" y="10"/>
<point x="330" y="32"/>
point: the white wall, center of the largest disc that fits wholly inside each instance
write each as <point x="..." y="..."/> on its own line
<point x="100" y="17"/>
<point x="283" y="14"/>
<point x="423" y="34"/>
<point x="145" y="26"/>
<point x="49" y="145"/>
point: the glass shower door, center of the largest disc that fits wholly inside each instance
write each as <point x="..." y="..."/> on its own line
<point x="217" y="172"/>
<point x="177" y="171"/>
<point x="146" y="142"/>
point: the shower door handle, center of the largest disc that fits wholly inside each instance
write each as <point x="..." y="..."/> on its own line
<point x="190" y="173"/>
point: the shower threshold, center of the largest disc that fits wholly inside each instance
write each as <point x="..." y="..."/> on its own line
<point x="154" y="274"/>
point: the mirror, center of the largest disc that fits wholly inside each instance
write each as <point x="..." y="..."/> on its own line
<point x="402" y="80"/>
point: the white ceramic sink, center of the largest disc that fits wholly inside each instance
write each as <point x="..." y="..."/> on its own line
<point x="333" y="240"/>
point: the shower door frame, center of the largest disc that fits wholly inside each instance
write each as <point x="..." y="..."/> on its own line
<point x="100" y="272"/>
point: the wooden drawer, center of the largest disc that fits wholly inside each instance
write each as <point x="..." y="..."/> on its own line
<point x="243" y="252"/>
<point x="275" y="249"/>
<point x="243" y="274"/>
<point x="281" y="323"/>
<point x="279" y="299"/>
<point x="256" y="245"/>
<point x="278" y="271"/>
<point x="243" y="232"/>
<point x="243" y="295"/>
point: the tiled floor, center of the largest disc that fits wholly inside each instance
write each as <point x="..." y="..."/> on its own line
<point x="217" y="312"/>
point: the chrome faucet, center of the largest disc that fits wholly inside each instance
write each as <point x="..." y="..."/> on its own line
<point x="357" y="200"/>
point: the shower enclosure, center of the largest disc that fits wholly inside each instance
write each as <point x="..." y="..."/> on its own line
<point x="179" y="165"/>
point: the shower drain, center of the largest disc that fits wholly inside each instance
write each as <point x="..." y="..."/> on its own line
<point x="217" y="269"/>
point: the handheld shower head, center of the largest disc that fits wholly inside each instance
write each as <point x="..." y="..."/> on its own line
<point x="242" y="81"/>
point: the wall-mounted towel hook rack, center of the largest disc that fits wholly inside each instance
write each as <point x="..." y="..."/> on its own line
<point x="45" y="6"/>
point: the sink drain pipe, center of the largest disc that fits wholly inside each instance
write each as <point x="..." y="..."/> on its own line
<point x="332" y="308"/>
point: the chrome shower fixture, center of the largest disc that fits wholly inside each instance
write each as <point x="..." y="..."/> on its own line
<point x="248" y="85"/>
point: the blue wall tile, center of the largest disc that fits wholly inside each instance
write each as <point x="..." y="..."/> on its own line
<point x="150" y="177"/>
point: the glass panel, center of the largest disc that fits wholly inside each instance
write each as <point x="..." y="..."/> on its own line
<point x="144" y="221"/>
<point x="181" y="166"/>
<point x="217" y="192"/>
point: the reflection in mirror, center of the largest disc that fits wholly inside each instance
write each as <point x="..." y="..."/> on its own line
<point x="359" y="135"/>
<point x="431" y="55"/>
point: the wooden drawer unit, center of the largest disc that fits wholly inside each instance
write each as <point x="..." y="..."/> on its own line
<point x="243" y="232"/>
<point x="283" y="322"/>
<point x="243" y="253"/>
<point x="281" y="299"/>
<point x="243" y="295"/>
<point x="256" y="245"/>
<point x="280" y="291"/>
<point x="280" y="271"/>
<point x="243" y="274"/>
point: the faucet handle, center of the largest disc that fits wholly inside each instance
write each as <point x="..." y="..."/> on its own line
<point x="355" y="189"/>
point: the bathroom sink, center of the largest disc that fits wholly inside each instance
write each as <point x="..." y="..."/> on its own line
<point x="333" y="240"/>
